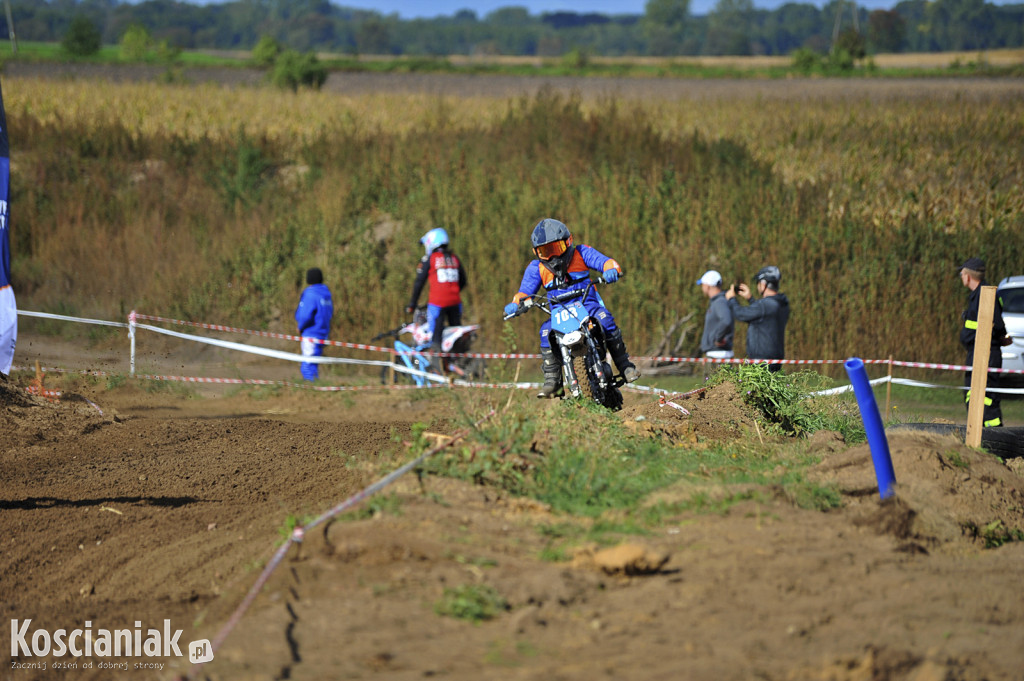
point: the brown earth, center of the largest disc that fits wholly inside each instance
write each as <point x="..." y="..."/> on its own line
<point x="123" y="505"/>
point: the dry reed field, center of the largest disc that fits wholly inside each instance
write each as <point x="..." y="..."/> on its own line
<point x="865" y="193"/>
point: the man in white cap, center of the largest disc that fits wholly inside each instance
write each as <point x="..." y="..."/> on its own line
<point x="719" y="327"/>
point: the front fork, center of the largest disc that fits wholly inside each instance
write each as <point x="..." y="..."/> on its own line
<point x="571" y="381"/>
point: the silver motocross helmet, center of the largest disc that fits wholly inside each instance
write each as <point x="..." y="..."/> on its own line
<point x="769" y="275"/>
<point x="552" y="244"/>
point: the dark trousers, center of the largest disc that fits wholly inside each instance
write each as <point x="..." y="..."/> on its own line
<point x="993" y="413"/>
<point x="436" y="318"/>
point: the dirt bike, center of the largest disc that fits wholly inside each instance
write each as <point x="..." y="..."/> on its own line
<point x="455" y="339"/>
<point x="578" y="341"/>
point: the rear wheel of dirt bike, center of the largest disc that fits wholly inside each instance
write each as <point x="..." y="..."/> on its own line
<point x="1006" y="443"/>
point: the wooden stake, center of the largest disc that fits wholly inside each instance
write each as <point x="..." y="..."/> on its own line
<point x="513" y="390"/>
<point x="979" y="370"/>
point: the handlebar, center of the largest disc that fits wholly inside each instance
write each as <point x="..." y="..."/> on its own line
<point x="545" y="302"/>
<point x="392" y="333"/>
<point x="397" y="331"/>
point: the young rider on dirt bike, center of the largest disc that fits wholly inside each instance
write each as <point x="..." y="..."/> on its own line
<point x="561" y="266"/>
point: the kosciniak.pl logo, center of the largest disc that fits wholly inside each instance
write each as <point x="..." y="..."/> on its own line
<point x="89" y="642"/>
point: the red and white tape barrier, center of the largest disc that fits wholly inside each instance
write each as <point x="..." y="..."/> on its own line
<point x="488" y="355"/>
<point x="434" y="379"/>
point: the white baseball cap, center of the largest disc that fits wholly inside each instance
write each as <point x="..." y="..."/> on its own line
<point x="711" y="278"/>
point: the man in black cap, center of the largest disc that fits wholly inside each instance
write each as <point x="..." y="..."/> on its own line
<point x="972" y="274"/>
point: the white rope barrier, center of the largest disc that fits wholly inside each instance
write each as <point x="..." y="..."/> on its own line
<point x="81" y="320"/>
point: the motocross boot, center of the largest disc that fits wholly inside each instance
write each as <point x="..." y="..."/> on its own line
<point x="617" y="349"/>
<point x="436" y="363"/>
<point x="552" y="374"/>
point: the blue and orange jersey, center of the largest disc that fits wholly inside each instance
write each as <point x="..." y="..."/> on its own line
<point x="583" y="260"/>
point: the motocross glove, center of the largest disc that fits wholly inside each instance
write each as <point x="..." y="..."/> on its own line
<point x="409" y="309"/>
<point x="611" y="276"/>
<point x="511" y="309"/>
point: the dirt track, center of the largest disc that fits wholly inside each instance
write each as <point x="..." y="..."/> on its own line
<point x="166" y="507"/>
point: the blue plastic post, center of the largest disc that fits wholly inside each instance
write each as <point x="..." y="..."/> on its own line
<point x="872" y="426"/>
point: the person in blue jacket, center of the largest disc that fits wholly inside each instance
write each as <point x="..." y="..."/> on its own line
<point x="313" y="316"/>
<point x="561" y="266"/>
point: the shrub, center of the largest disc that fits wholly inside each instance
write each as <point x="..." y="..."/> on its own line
<point x="841" y="60"/>
<point x="266" y="52"/>
<point x="853" y="42"/>
<point x="135" y="43"/>
<point x="167" y="53"/>
<point x="576" y="59"/>
<point x="292" y="69"/>
<point x="83" y="39"/>
<point x="805" y="59"/>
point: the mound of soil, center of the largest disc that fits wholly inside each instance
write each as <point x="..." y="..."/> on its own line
<point x="127" y="505"/>
<point x="947" y="496"/>
<point x="713" y="414"/>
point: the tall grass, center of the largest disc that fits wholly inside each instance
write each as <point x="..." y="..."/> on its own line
<point x="210" y="203"/>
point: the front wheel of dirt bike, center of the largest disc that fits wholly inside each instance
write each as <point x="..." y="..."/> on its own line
<point x="389" y="376"/>
<point x="590" y="389"/>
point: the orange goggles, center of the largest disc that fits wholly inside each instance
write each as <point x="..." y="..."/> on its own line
<point x="552" y="250"/>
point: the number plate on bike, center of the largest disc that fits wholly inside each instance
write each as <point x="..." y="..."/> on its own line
<point x="566" y="318"/>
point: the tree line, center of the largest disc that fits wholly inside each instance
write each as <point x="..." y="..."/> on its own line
<point x="666" y="28"/>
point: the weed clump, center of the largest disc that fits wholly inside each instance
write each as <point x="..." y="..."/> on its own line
<point x="471" y="602"/>
<point x="787" y="402"/>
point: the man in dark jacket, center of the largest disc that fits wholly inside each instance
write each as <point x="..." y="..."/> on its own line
<point x="766" y="318"/>
<point x="972" y="274"/>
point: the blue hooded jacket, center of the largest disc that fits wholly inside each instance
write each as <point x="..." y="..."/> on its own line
<point x="314" y="312"/>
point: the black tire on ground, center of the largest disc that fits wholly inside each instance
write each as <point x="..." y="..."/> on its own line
<point x="1006" y="443"/>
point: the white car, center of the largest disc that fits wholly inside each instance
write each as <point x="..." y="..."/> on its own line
<point x="1011" y="295"/>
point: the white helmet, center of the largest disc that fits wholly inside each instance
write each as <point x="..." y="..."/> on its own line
<point x="434" y="239"/>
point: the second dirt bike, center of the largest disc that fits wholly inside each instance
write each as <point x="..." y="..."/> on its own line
<point x="579" y="342"/>
<point x="456" y="340"/>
